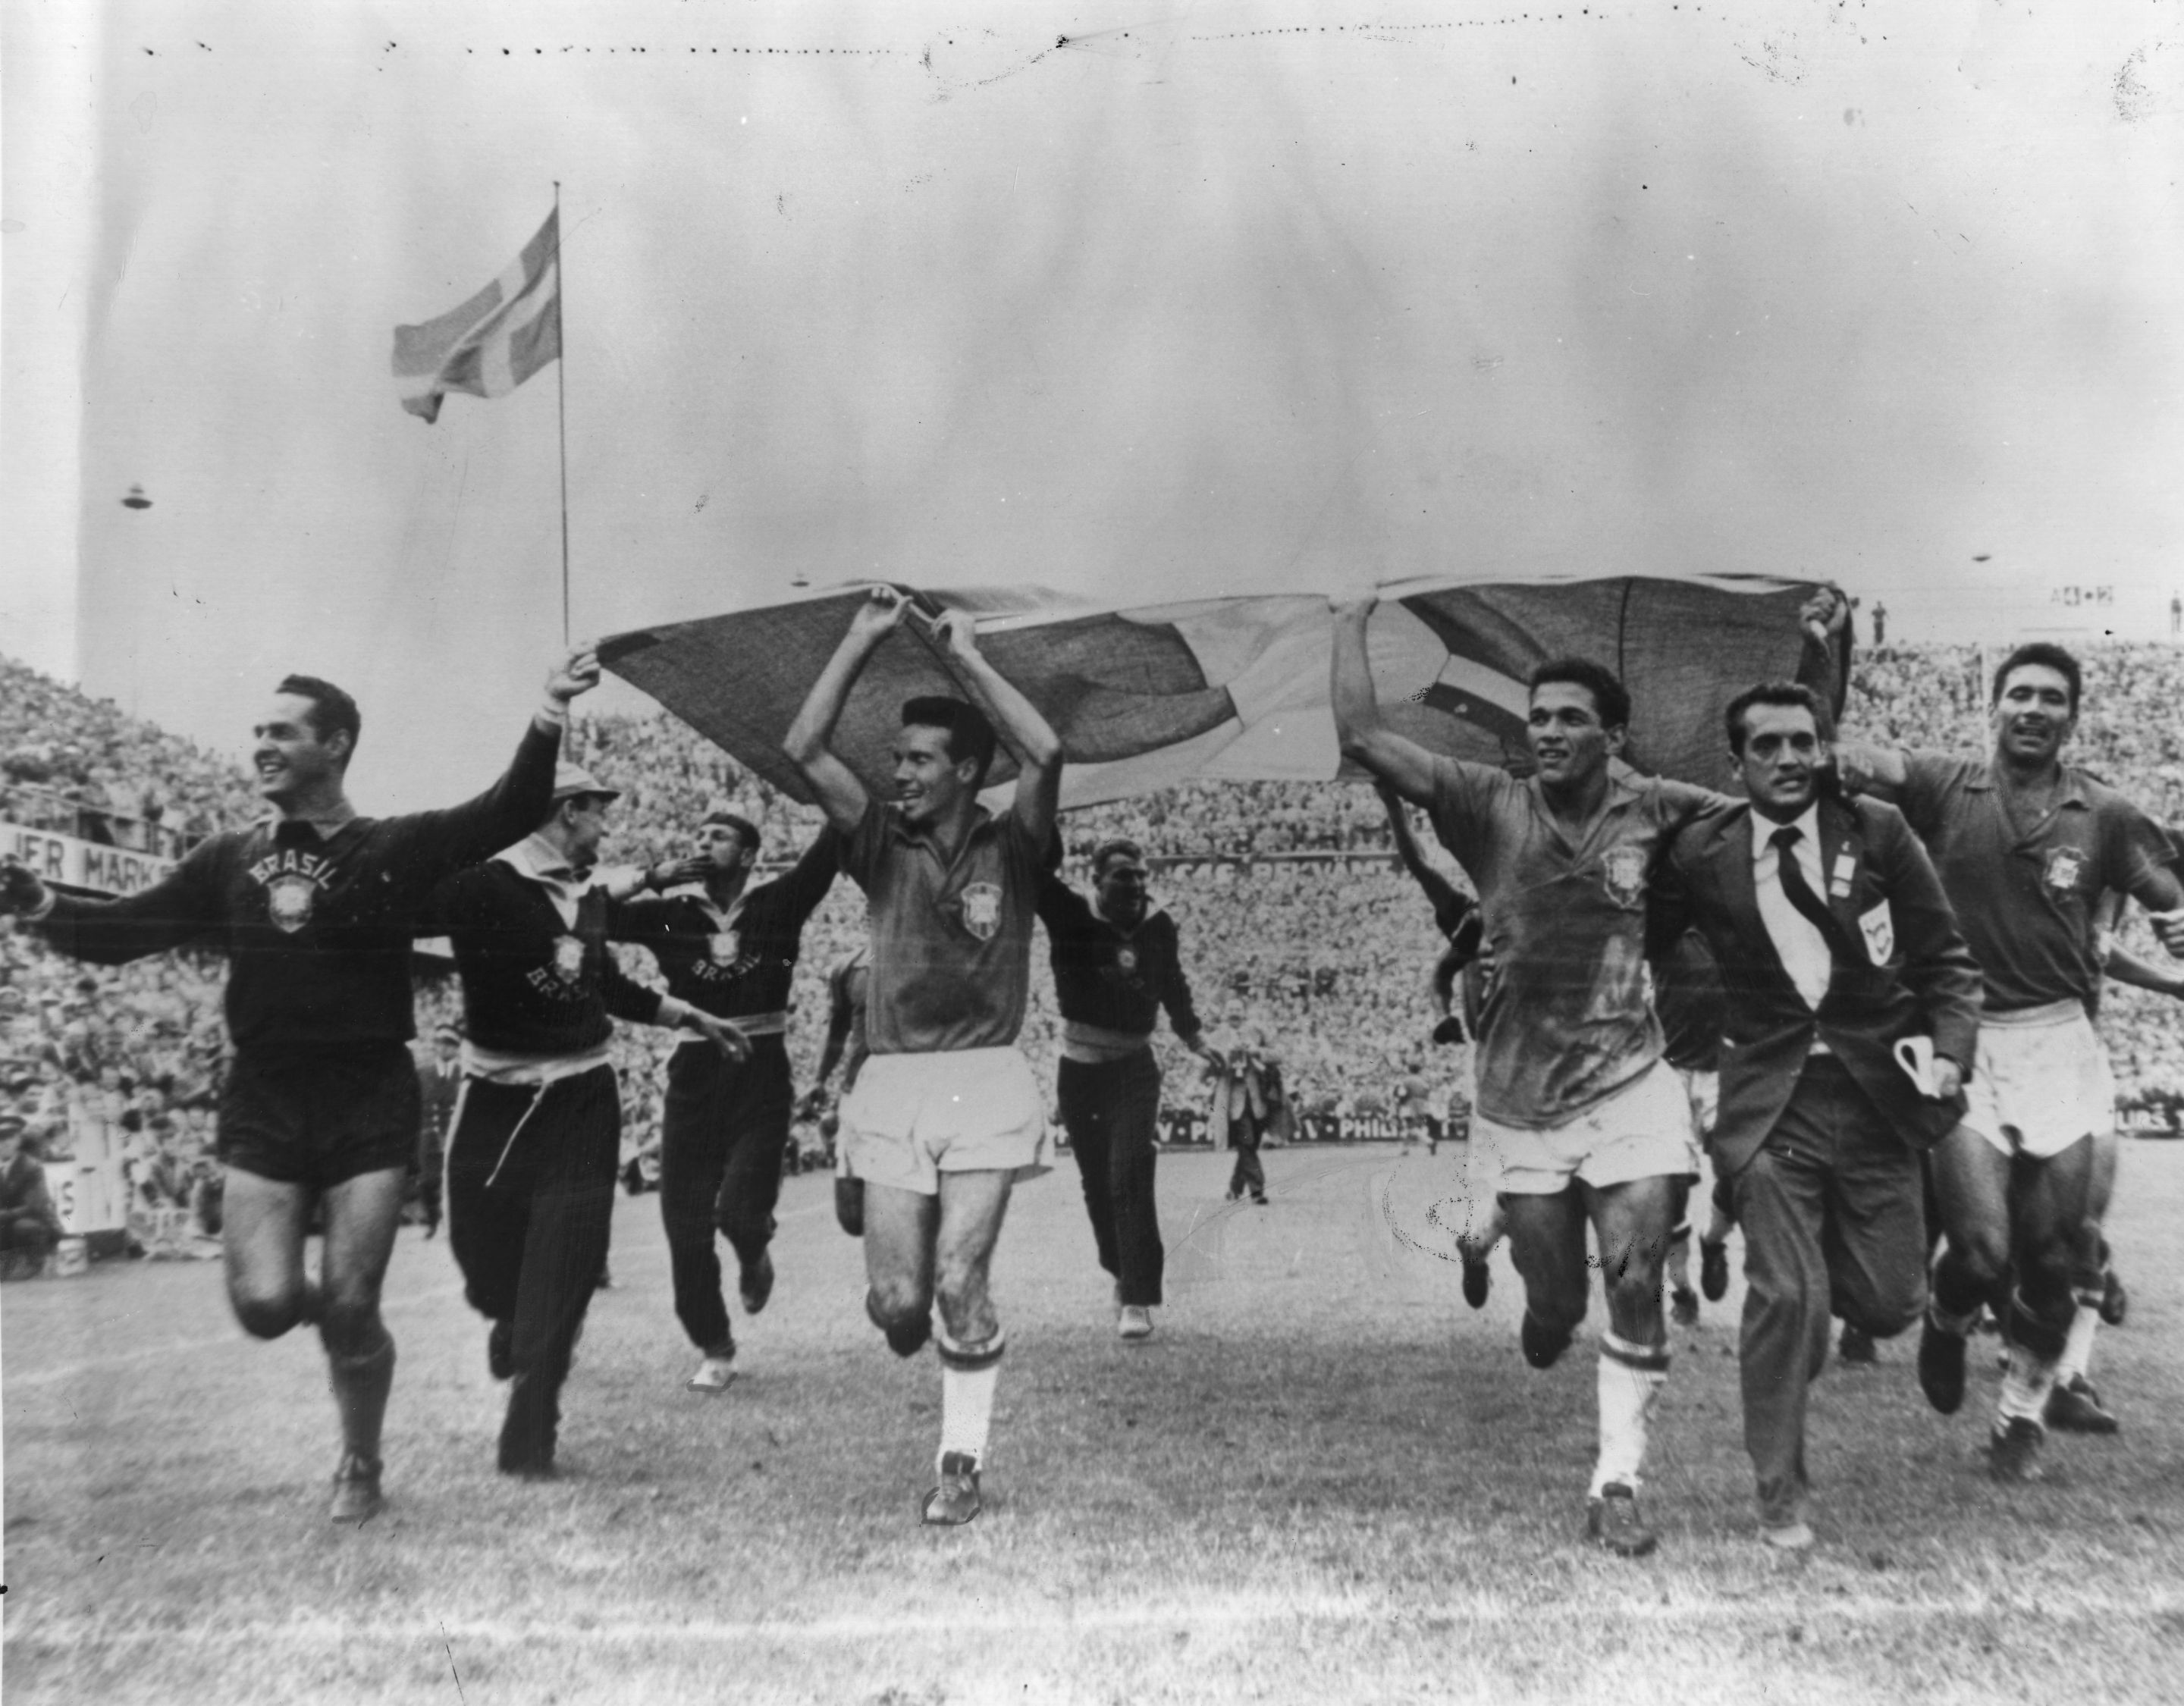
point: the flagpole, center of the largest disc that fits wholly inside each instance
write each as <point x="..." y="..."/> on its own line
<point x="561" y="396"/>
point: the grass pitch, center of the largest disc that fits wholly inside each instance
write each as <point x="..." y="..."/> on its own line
<point x="1324" y="1479"/>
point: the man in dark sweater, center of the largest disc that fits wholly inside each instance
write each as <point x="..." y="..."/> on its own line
<point x="316" y="908"/>
<point x="1117" y="962"/>
<point x="725" y="1126"/>
<point x="537" y="1139"/>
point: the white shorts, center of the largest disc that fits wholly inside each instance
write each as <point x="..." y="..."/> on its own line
<point x="2039" y="1082"/>
<point x="1642" y="1131"/>
<point x="1702" y="1090"/>
<point x="914" y="1117"/>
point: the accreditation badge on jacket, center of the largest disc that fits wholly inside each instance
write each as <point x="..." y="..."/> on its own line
<point x="1880" y="928"/>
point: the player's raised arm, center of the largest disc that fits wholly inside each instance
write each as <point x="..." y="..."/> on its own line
<point x="1825" y="664"/>
<point x="1037" y="747"/>
<point x="840" y="795"/>
<point x="1395" y="758"/>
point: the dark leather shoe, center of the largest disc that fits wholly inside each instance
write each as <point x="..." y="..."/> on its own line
<point x="1942" y="1367"/>
<point x="1714" y="1271"/>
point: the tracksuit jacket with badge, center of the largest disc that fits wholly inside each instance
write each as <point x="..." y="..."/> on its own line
<point x="316" y="928"/>
<point x="1116" y="979"/>
<point x="533" y="984"/>
<point x="745" y="965"/>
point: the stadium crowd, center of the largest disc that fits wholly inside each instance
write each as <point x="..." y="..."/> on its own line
<point x="1301" y="934"/>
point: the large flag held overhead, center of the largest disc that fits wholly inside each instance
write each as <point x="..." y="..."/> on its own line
<point x="494" y="342"/>
<point x="1236" y="688"/>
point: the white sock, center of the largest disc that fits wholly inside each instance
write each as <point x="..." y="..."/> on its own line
<point x="968" y="1375"/>
<point x="2026" y="1387"/>
<point x="1631" y="1377"/>
<point x="2078" y="1349"/>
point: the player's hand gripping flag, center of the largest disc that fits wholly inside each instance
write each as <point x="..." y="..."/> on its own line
<point x="494" y="342"/>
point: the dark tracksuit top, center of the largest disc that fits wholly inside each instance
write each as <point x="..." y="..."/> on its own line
<point x="1110" y="977"/>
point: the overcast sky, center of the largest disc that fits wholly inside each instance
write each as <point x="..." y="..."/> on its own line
<point x="1203" y="299"/>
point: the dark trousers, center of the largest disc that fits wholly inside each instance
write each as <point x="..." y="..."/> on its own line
<point x="1110" y="1108"/>
<point x="1834" y="1221"/>
<point x="722" y="1135"/>
<point x="530" y="1179"/>
<point x="1243" y="1134"/>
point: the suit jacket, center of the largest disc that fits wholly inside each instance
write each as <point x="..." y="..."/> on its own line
<point x="1903" y="969"/>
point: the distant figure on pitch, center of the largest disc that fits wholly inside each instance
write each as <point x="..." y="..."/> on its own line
<point x="945" y="1111"/>
<point x="732" y="952"/>
<point x="316" y="908"/>
<point x="537" y="1143"/>
<point x="847" y="987"/>
<point x="1118" y="961"/>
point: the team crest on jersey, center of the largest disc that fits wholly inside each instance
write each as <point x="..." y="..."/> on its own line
<point x="724" y="946"/>
<point x="981" y="910"/>
<point x="1126" y="960"/>
<point x="1624" y="868"/>
<point x="289" y="901"/>
<point x="569" y="958"/>
<point x="2063" y="866"/>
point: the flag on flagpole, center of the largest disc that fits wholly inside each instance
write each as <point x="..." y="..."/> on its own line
<point x="494" y="342"/>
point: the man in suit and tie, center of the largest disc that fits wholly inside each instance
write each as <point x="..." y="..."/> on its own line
<point x="1836" y="944"/>
<point x="439" y="1081"/>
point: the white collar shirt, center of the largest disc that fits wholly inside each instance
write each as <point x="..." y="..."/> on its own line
<point x="1803" y="949"/>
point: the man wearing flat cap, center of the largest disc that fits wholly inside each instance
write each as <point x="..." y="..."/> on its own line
<point x="537" y="1136"/>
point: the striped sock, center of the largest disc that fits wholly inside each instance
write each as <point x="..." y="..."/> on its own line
<point x="1631" y="1377"/>
<point x="2078" y="1348"/>
<point x="2026" y="1387"/>
<point x="968" y="1375"/>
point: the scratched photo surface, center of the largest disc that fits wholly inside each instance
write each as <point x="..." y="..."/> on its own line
<point x="1136" y="305"/>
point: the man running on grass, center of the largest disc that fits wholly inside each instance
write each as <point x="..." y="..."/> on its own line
<point x="2025" y="845"/>
<point x="730" y="951"/>
<point x="1586" y="1118"/>
<point x="316" y="908"/>
<point x="945" y="1111"/>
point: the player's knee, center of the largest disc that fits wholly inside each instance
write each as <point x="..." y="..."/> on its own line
<point x="267" y="1314"/>
<point x="1983" y="1256"/>
<point x="904" y="1315"/>
<point x="349" y="1322"/>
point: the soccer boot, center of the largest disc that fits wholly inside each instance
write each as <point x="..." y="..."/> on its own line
<point x="1941" y="1367"/>
<point x="849" y="1206"/>
<point x="357" y="1497"/>
<point x="2076" y="1408"/>
<point x="1792" y="1536"/>
<point x="1477" y="1282"/>
<point x="1684" y="1307"/>
<point x="1714" y="1271"/>
<point x="1612" y="1521"/>
<point x="1543" y="1347"/>
<point x="955" y="1501"/>
<point x="2115" y="1301"/>
<point x="1856" y="1345"/>
<point x="715" y="1371"/>
<point x="500" y="1350"/>
<point x="2013" y="1450"/>
<point x="756" y="1283"/>
<point x="1135" y="1322"/>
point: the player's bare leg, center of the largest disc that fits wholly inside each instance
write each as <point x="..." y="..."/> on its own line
<point x="1971" y="1187"/>
<point x="900" y="1228"/>
<point x="262" y="1230"/>
<point x="972" y="1206"/>
<point x="1631" y="1224"/>
<point x="2074" y="1405"/>
<point x="2048" y="1228"/>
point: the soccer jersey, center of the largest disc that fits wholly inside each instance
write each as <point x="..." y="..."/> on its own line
<point x="2025" y="895"/>
<point x="316" y="924"/>
<point x="1566" y="1022"/>
<point x="739" y="963"/>
<point x="950" y="938"/>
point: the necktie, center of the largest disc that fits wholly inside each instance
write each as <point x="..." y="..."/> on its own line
<point x="1797" y="891"/>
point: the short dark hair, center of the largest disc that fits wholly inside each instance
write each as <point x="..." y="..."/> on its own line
<point x="736" y="821"/>
<point x="330" y="709"/>
<point x="2048" y="655"/>
<point x="1787" y="693"/>
<point x="1610" y="698"/>
<point x="969" y="735"/>
<point x="1113" y="847"/>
